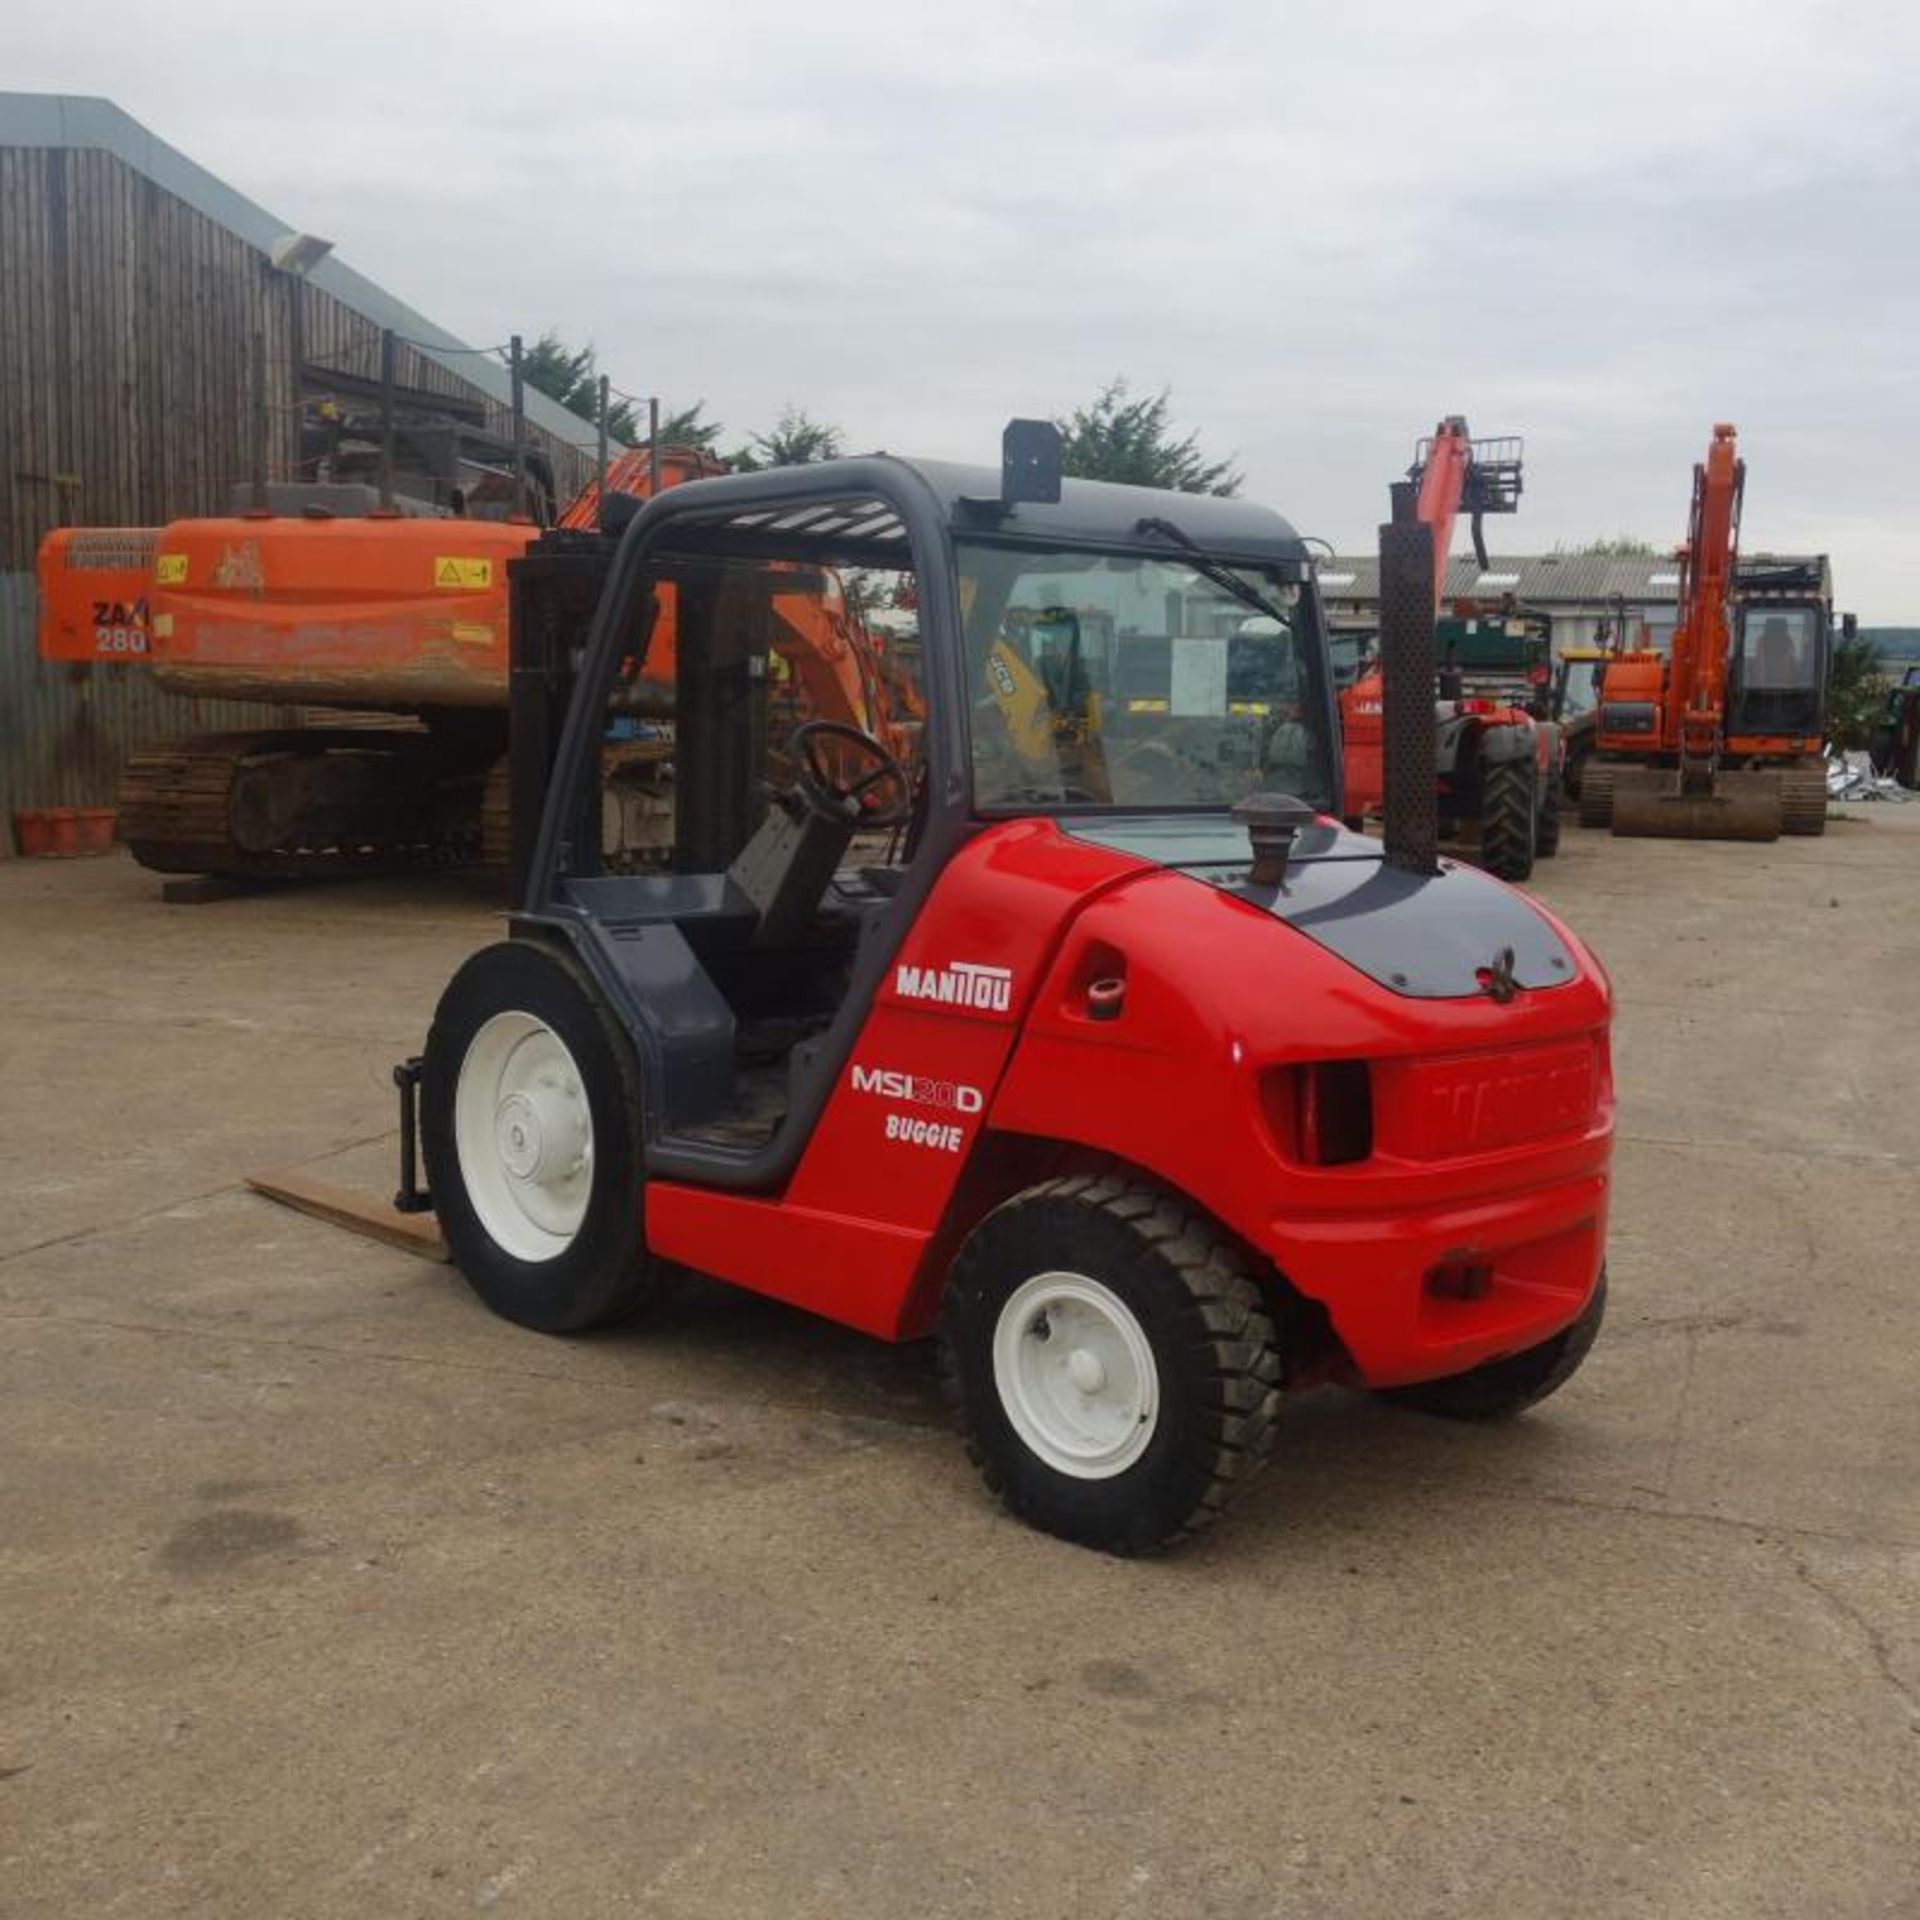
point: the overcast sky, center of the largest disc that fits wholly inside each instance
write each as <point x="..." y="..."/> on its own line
<point x="1322" y="225"/>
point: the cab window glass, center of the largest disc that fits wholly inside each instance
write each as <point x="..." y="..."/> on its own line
<point x="1131" y="681"/>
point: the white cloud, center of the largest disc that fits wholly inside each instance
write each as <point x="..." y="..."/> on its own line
<point x="1323" y="224"/>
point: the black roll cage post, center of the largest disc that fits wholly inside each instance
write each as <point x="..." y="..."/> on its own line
<point x="545" y="908"/>
<point x="927" y="550"/>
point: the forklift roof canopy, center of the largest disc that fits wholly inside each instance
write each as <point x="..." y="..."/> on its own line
<point x="857" y="519"/>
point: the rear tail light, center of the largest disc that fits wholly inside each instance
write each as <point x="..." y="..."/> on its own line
<point x="1321" y="1113"/>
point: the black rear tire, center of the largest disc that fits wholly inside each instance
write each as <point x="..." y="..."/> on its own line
<point x="1502" y="1388"/>
<point x="1547" y="836"/>
<point x="1186" y="1289"/>
<point x="601" y="1274"/>
<point x="1506" y="820"/>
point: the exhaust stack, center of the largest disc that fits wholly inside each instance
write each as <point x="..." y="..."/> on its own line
<point x="1409" y="743"/>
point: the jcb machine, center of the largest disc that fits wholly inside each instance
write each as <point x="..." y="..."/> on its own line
<point x="1106" y="1053"/>
<point x="1720" y="738"/>
<point x="1575" y="706"/>
<point x="1496" y="761"/>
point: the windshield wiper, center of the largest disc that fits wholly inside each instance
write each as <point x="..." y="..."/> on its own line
<point x="1208" y="568"/>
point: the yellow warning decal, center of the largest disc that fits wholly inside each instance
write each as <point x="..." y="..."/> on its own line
<point x="452" y="572"/>
<point x="472" y="633"/>
<point x="1146" y="706"/>
<point x="163" y="626"/>
<point x="170" y="570"/>
<point x="1246" y="707"/>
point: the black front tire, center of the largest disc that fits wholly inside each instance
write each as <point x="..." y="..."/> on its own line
<point x="601" y="1275"/>
<point x="1507" y="820"/>
<point x="1502" y="1388"/>
<point x="1189" y="1292"/>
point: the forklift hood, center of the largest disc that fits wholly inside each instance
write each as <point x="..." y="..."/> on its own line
<point x="1445" y="936"/>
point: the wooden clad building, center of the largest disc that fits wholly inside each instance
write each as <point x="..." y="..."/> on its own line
<point x="153" y="359"/>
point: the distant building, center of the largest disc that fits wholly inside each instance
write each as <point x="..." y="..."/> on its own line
<point x="1588" y="597"/>
<point x="1896" y="646"/>
<point x="1585" y="595"/>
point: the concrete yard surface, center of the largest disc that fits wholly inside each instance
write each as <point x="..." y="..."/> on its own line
<point x="322" y="1592"/>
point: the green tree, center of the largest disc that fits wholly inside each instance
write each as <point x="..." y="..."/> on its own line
<point x="1857" y="689"/>
<point x="1133" y="440"/>
<point x="686" y="427"/>
<point x="796" y="439"/>
<point x="572" y="376"/>
<point x="1622" y="546"/>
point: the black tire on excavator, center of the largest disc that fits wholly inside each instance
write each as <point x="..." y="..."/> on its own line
<point x="1507" y="839"/>
<point x="1596" y="796"/>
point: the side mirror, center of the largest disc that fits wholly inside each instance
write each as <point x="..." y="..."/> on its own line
<point x="1030" y="463"/>
<point x="1849" y="626"/>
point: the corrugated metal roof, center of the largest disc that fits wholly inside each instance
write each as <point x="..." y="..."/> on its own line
<point x="1546" y="580"/>
<point x="70" y="120"/>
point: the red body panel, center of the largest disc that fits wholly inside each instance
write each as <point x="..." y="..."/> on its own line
<point x="96" y="585"/>
<point x="392" y="613"/>
<point x="1000" y="907"/>
<point x="1363" y="775"/>
<point x="1492" y="1123"/>
<point x="1362" y="736"/>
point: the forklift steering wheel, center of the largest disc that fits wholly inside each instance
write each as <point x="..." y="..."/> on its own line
<point x="837" y="796"/>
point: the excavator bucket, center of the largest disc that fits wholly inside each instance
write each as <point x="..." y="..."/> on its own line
<point x="1739" y="806"/>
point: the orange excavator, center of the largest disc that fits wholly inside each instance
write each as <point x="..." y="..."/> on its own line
<point x="1720" y="737"/>
<point x="1497" y="764"/>
<point x="399" y="628"/>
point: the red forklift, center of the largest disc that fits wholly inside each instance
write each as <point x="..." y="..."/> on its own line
<point x="1098" y="1050"/>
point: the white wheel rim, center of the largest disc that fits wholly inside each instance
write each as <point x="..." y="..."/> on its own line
<point x="523" y="1130"/>
<point x="1075" y="1375"/>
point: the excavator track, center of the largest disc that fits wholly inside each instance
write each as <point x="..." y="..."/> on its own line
<point x="1803" y="798"/>
<point x="1596" y="795"/>
<point x="637" y="804"/>
<point x="496" y="816"/>
<point x="301" y="804"/>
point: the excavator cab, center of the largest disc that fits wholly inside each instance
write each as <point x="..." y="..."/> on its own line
<point x="1777" y="677"/>
<point x="1099" y="1049"/>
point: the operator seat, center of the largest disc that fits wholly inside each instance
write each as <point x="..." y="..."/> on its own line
<point x="1774" y="661"/>
<point x="785" y="869"/>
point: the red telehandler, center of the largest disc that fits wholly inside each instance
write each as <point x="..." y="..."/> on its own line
<point x="1497" y="763"/>
<point x="1721" y="737"/>
<point x="1106" y="1054"/>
